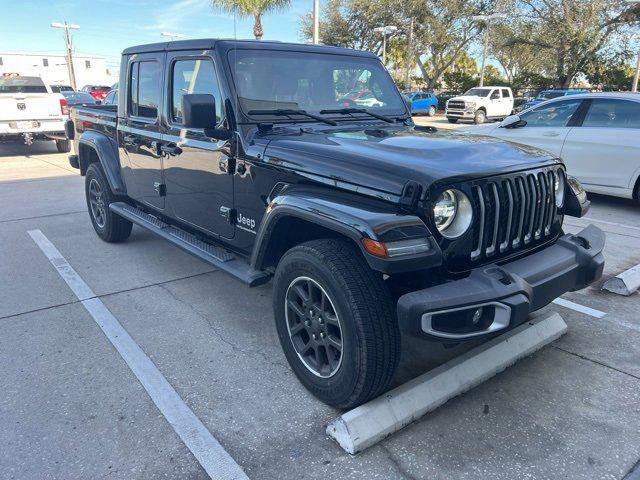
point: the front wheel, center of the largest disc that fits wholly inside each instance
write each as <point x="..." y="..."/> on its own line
<point x="336" y="322"/>
<point x="109" y="226"/>
<point x="63" y="146"/>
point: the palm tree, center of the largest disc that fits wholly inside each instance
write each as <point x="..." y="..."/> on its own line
<point x="247" y="8"/>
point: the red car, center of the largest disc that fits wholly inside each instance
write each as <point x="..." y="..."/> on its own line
<point x="96" y="91"/>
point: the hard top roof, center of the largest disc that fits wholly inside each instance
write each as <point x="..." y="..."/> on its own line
<point x="228" y="44"/>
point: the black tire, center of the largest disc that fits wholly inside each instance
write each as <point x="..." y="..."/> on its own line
<point x="63" y="146"/>
<point x="432" y="111"/>
<point x="367" y="324"/>
<point x="109" y="226"/>
<point x="480" y="117"/>
<point x="452" y="120"/>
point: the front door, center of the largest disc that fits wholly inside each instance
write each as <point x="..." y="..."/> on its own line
<point x="199" y="184"/>
<point x="139" y="130"/>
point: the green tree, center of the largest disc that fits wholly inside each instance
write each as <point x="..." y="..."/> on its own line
<point x="248" y="8"/>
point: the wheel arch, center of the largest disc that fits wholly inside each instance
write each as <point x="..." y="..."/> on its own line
<point x="96" y="147"/>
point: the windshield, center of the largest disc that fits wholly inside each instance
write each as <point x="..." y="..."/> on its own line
<point x="78" y="97"/>
<point x="478" y="92"/>
<point x="549" y="95"/>
<point x="270" y="79"/>
<point x="22" y="85"/>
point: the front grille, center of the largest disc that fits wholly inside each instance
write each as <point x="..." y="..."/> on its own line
<point x="513" y="213"/>
<point x="457" y="104"/>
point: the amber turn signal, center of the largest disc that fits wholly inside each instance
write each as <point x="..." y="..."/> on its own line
<point x="375" y="248"/>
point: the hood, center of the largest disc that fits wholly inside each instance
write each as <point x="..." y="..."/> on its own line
<point x="385" y="159"/>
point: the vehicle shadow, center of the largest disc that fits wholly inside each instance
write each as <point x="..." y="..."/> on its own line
<point x="18" y="149"/>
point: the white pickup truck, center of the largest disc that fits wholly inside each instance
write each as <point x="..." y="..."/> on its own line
<point x="30" y="111"/>
<point x="479" y="104"/>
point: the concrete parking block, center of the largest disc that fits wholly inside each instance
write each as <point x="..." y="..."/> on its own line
<point x="625" y="283"/>
<point x="367" y="424"/>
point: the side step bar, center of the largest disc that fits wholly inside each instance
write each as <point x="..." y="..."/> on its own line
<point x="217" y="256"/>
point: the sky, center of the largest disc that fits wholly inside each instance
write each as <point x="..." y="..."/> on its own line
<point x="109" y="26"/>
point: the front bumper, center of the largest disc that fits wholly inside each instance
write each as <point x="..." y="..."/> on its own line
<point x="510" y="291"/>
<point x="460" y="114"/>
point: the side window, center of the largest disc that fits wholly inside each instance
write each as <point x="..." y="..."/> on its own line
<point x="613" y="114"/>
<point x="505" y="93"/>
<point x="495" y="95"/>
<point x="556" y="114"/>
<point x="193" y="76"/>
<point x="419" y="96"/>
<point x="144" y="91"/>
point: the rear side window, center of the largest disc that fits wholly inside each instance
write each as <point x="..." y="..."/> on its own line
<point x="611" y="113"/>
<point x="144" y="93"/>
<point x="193" y="76"/>
<point x="556" y="114"/>
<point x="505" y="93"/>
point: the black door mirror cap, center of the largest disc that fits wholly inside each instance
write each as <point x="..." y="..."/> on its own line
<point x="199" y="110"/>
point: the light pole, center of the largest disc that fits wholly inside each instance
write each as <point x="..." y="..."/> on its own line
<point x="407" y="72"/>
<point x="386" y="30"/>
<point x="172" y="36"/>
<point x="634" y="87"/>
<point x="67" y="41"/>
<point x="316" y="22"/>
<point x="487" y="20"/>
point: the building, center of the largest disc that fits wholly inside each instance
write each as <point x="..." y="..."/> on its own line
<point x="52" y="68"/>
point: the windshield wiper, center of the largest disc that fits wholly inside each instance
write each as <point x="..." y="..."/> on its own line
<point x="287" y="112"/>
<point x="346" y="111"/>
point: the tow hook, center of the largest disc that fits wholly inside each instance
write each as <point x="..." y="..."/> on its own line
<point x="28" y="138"/>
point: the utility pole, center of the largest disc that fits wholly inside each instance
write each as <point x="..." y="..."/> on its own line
<point x="487" y="20"/>
<point x="407" y="73"/>
<point x="634" y="87"/>
<point x="386" y="30"/>
<point x="67" y="40"/>
<point x="316" y="22"/>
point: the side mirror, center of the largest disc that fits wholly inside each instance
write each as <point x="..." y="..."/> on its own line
<point x="512" y="121"/>
<point x="199" y="111"/>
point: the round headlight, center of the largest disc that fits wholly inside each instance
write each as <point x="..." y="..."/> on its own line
<point x="560" y="188"/>
<point x="452" y="213"/>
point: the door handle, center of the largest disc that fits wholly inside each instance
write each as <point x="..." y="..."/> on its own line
<point x="551" y="134"/>
<point x="130" y="140"/>
<point x="170" y="150"/>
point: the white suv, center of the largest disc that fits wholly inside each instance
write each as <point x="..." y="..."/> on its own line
<point x="480" y="104"/>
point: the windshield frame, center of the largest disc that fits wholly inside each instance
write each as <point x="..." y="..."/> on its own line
<point x="242" y="110"/>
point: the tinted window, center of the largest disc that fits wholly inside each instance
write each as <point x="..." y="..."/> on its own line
<point x="144" y="97"/>
<point x="22" y="85"/>
<point x="556" y="114"/>
<point x="193" y="76"/>
<point x="495" y="95"/>
<point x="75" y="98"/>
<point x="613" y="114"/>
<point x="505" y="93"/>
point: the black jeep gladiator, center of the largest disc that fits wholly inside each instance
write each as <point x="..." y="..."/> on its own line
<point x="301" y="163"/>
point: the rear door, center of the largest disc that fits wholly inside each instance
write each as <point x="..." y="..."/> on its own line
<point x="139" y="130"/>
<point x="604" y="150"/>
<point x="197" y="172"/>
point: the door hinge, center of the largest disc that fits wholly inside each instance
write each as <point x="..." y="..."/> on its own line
<point x="161" y="188"/>
<point x="228" y="213"/>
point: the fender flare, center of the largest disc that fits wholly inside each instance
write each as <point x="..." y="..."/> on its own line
<point x="347" y="215"/>
<point x="107" y="154"/>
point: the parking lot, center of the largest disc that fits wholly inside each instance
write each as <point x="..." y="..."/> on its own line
<point x="71" y="407"/>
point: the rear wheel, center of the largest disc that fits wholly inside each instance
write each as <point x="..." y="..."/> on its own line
<point x="109" y="226"/>
<point x="336" y="322"/>
<point x="452" y="120"/>
<point x="480" y="117"/>
<point x="63" y="146"/>
<point x="432" y="111"/>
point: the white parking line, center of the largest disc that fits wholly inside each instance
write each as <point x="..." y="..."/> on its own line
<point x="210" y="454"/>
<point x="579" y="308"/>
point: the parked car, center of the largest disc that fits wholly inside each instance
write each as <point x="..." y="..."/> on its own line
<point x="360" y="98"/>
<point x="96" y="91"/>
<point x="479" y="104"/>
<point x="78" y="98"/>
<point x="545" y="95"/>
<point x="30" y="110"/>
<point x="61" y="88"/>
<point x="111" y="98"/>
<point x="240" y="153"/>
<point x="596" y="134"/>
<point x="423" y="103"/>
